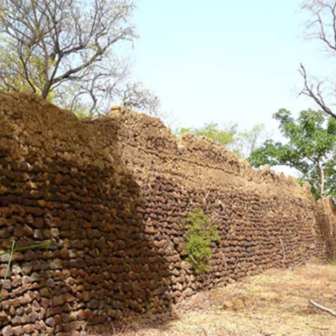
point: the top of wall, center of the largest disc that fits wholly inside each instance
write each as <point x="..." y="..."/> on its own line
<point x="27" y="122"/>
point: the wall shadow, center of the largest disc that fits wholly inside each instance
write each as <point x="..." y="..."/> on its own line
<point x="103" y="264"/>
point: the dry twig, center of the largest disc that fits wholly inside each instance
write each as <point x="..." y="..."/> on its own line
<point x="325" y="309"/>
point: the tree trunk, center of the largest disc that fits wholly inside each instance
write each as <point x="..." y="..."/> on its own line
<point x="321" y="173"/>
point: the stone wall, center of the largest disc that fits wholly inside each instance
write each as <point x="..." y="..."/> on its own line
<point x="111" y="194"/>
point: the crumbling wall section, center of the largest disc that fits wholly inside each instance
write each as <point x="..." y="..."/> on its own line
<point x="111" y="194"/>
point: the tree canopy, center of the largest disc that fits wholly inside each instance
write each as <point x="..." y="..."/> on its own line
<point x="66" y="51"/>
<point x="229" y="136"/>
<point x="310" y="149"/>
<point x="222" y="135"/>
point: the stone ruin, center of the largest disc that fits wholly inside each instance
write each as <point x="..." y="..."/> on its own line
<point x="111" y="194"/>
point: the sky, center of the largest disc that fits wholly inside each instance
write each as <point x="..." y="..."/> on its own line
<point x="225" y="61"/>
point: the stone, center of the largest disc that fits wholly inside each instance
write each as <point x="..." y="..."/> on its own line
<point x="7" y="331"/>
<point x="58" y="179"/>
<point x="58" y="300"/>
<point x="16" y="320"/>
<point x="38" y="223"/>
<point x="28" y="329"/>
<point x="41" y="203"/>
<point x="47" y="292"/>
<point x="38" y="234"/>
<point x="55" y="233"/>
<point x="50" y="322"/>
<point x="18" y="330"/>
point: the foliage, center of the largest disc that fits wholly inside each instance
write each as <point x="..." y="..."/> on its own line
<point x="310" y="149"/>
<point x="200" y="233"/>
<point x="248" y="141"/>
<point x="11" y="254"/>
<point x="66" y="52"/>
<point x="242" y="143"/>
<point x="213" y="131"/>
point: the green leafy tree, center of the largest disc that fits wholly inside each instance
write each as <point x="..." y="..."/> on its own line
<point x="223" y="136"/>
<point x="310" y="149"/>
<point x="250" y="140"/>
<point x="242" y="143"/>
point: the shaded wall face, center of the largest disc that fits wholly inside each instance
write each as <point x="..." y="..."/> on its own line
<point x="101" y="264"/>
<point x="111" y="195"/>
<point x="326" y="214"/>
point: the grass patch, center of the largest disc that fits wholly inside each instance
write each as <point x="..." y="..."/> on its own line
<point x="274" y="303"/>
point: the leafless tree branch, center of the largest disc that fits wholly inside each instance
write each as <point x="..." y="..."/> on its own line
<point x="137" y="97"/>
<point x="323" y="308"/>
<point x="60" y="48"/>
<point x="313" y="93"/>
<point x="321" y="26"/>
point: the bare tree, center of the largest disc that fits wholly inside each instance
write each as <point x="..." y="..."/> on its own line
<point x="66" y="50"/>
<point x="321" y="26"/>
<point x="136" y="96"/>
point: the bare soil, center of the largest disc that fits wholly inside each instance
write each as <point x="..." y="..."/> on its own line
<point x="275" y="303"/>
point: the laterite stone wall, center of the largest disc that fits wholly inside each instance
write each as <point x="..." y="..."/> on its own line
<point x="110" y="194"/>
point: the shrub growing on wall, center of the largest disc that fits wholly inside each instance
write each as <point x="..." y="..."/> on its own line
<point x="199" y="236"/>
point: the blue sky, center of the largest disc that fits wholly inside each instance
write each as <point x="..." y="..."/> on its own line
<point x="224" y="61"/>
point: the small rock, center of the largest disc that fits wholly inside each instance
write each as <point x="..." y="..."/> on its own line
<point x="7" y="331"/>
<point x="50" y="322"/>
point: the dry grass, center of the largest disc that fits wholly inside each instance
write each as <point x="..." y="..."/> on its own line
<point x="272" y="304"/>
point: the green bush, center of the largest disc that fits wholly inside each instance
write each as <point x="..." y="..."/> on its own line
<point x="199" y="235"/>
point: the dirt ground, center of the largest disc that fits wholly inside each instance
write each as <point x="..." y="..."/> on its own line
<point x="275" y="303"/>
